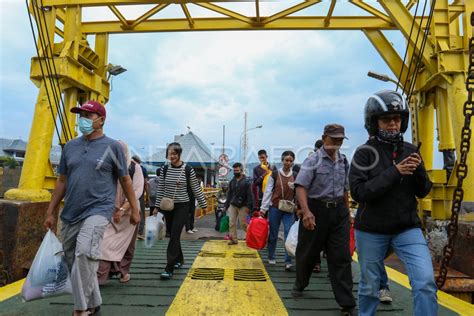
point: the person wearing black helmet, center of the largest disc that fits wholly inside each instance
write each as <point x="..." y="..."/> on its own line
<point x="386" y="176"/>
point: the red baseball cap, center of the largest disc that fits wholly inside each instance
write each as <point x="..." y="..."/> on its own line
<point x="90" y="106"/>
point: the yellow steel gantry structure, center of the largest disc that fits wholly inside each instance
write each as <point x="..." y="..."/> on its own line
<point x="437" y="100"/>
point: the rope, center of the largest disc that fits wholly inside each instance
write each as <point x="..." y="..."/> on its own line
<point x="414" y="47"/>
<point x="68" y="135"/>
<point x="55" y="89"/>
<point x="423" y="44"/>
<point x="408" y="45"/>
<point x="42" y="70"/>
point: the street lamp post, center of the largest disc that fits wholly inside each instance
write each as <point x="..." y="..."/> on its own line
<point x="384" y="78"/>
<point x="244" y="135"/>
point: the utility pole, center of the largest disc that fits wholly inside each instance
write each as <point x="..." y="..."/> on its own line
<point x="244" y="161"/>
<point x="223" y="139"/>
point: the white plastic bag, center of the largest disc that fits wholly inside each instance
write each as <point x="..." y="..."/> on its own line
<point x="161" y="227"/>
<point x="49" y="273"/>
<point x="151" y="231"/>
<point x="292" y="239"/>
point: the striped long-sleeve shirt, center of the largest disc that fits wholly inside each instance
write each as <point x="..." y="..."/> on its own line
<point x="176" y="181"/>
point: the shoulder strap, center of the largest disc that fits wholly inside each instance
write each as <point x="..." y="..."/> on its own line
<point x="187" y="171"/>
<point x="131" y="169"/>
<point x="165" y="169"/>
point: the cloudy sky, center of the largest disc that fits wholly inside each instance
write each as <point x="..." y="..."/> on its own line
<point x="291" y="82"/>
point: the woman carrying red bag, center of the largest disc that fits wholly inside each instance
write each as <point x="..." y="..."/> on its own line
<point x="278" y="203"/>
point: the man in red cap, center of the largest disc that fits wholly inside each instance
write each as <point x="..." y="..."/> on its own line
<point x="89" y="170"/>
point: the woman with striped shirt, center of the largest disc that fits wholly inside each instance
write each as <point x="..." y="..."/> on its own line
<point x="177" y="181"/>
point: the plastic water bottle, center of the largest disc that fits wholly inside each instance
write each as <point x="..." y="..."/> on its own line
<point x="149" y="239"/>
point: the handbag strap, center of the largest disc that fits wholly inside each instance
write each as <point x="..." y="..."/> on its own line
<point x="183" y="167"/>
<point x="281" y="183"/>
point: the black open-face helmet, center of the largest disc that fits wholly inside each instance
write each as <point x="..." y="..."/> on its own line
<point x="382" y="103"/>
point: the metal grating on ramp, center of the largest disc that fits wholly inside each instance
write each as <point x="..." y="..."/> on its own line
<point x="213" y="274"/>
<point x="226" y="285"/>
<point x="212" y="254"/>
<point x="245" y="255"/>
<point x="252" y="275"/>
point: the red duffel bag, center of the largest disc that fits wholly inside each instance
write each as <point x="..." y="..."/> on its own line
<point x="257" y="233"/>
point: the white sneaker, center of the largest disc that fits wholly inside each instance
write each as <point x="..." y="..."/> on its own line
<point x="384" y="296"/>
<point x="195" y="230"/>
<point x="288" y="266"/>
<point x="190" y="231"/>
<point x="272" y="261"/>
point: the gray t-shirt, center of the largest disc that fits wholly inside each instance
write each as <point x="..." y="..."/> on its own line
<point x="92" y="169"/>
<point x="324" y="178"/>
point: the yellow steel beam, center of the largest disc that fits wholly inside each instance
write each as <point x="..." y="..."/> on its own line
<point x="455" y="11"/>
<point x="74" y="74"/>
<point x="188" y="15"/>
<point x="102" y="3"/>
<point x="404" y="20"/>
<point x="61" y="15"/>
<point x="388" y="53"/>
<point x="58" y="31"/>
<point x="290" y="10"/>
<point x="149" y="14"/>
<point x="220" y="24"/>
<point x="118" y="14"/>
<point x="327" y="20"/>
<point x="226" y="12"/>
<point x="370" y="9"/>
<point x="411" y="3"/>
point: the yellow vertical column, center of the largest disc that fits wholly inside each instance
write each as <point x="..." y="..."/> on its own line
<point x="425" y="116"/>
<point x="426" y="133"/>
<point x="102" y="50"/>
<point x="72" y="38"/>
<point x="36" y="163"/>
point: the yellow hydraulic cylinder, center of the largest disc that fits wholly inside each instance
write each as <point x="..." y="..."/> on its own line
<point x="426" y="134"/>
<point x="445" y="125"/>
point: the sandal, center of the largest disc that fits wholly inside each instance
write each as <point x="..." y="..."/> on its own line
<point x="125" y="278"/>
<point x="94" y="311"/>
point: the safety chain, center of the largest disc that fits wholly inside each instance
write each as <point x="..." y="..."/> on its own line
<point x="461" y="171"/>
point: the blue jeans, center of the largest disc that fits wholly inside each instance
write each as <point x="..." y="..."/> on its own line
<point x="410" y="247"/>
<point x="275" y="218"/>
<point x="384" y="280"/>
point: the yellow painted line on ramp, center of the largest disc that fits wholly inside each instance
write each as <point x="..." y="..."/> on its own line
<point x="11" y="290"/>
<point x="455" y="304"/>
<point x="227" y="280"/>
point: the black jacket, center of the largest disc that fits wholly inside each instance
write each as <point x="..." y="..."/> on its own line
<point x="387" y="199"/>
<point x="240" y="193"/>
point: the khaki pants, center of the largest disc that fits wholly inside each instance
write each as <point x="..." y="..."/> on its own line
<point x="234" y="213"/>
<point x="81" y="243"/>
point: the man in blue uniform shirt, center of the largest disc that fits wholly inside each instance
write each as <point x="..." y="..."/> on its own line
<point x="322" y="192"/>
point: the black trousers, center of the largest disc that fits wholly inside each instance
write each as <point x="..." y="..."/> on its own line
<point x="176" y="219"/>
<point x="192" y="212"/>
<point x="141" y="226"/>
<point x="331" y="233"/>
